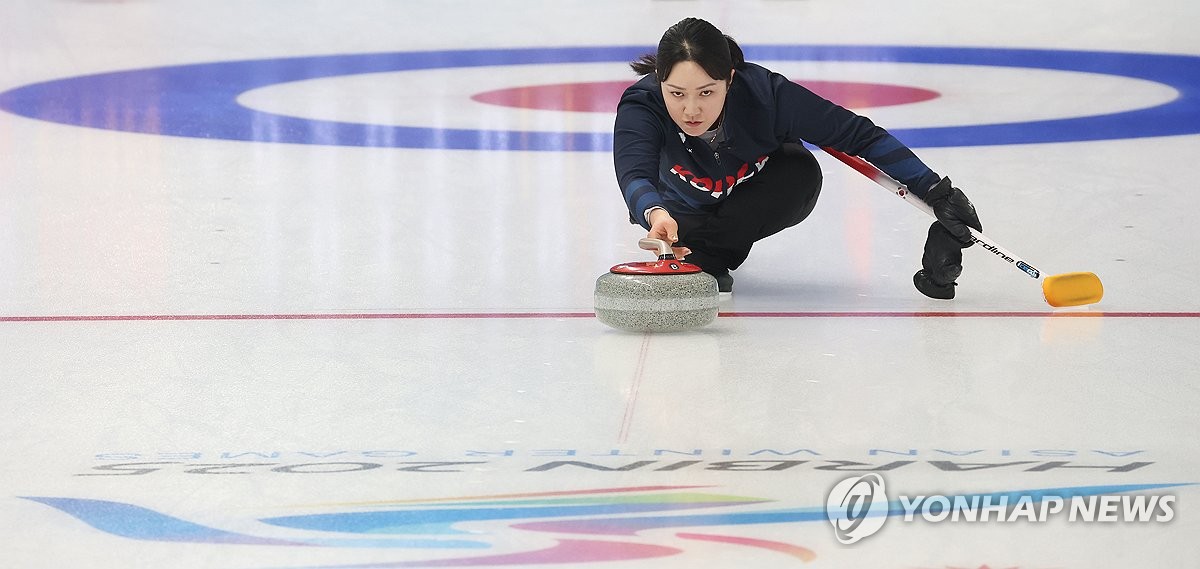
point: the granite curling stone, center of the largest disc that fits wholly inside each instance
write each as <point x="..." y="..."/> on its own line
<point x="666" y="295"/>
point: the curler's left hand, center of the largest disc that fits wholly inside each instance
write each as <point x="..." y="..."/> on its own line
<point x="953" y="210"/>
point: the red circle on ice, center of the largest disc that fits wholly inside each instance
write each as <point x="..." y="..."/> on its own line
<point x="602" y="96"/>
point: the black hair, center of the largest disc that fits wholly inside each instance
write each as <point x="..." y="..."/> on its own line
<point x="692" y="39"/>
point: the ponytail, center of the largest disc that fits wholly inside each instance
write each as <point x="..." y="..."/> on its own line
<point x="645" y="64"/>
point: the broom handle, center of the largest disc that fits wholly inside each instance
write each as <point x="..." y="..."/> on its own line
<point x="875" y="174"/>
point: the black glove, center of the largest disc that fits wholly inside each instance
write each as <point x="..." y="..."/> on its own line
<point x="954" y="210"/>
<point x="942" y="262"/>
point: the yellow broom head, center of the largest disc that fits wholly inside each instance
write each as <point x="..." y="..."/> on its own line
<point x="1072" y="289"/>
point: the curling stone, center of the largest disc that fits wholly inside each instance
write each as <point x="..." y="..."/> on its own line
<point x="666" y="295"/>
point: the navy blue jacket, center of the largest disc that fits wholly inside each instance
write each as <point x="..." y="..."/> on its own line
<point x="658" y="165"/>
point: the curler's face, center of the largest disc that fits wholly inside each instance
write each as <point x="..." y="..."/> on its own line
<point x="694" y="99"/>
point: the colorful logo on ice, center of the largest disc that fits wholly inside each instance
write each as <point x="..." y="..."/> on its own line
<point x="576" y="526"/>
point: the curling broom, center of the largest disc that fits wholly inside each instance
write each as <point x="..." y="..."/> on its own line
<point x="1066" y="289"/>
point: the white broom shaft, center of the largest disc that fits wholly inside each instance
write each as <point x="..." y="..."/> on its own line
<point x="879" y="177"/>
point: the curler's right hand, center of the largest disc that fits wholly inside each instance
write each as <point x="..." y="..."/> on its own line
<point x="663" y="226"/>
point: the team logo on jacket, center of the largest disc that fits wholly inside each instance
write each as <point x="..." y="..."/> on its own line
<point x="720" y="187"/>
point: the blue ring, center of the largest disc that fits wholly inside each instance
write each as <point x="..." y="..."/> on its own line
<point x="200" y="100"/>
